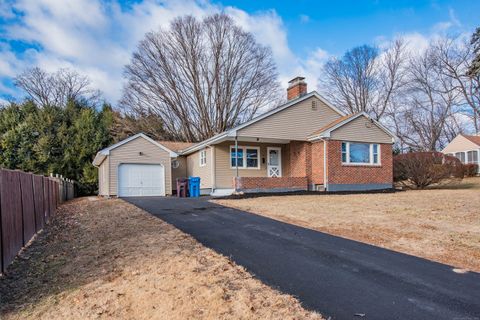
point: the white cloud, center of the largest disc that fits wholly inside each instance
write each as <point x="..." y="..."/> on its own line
<point x="94" y="37"/>
<point x="269" y="30"/>
<point x="304" y="18"/>
<point x="97" y="37"/>
<point x="3" y="102"/>
<point x="445" y="26"/>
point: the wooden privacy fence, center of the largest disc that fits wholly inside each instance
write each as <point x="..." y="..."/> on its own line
<point x="27" y="201"/>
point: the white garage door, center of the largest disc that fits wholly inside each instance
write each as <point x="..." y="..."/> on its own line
<point x="141" y="180"/>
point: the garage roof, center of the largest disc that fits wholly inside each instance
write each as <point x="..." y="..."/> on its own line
<point x="102" y="154"/>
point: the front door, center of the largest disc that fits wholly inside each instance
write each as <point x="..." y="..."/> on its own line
<point x="274" y="162"/>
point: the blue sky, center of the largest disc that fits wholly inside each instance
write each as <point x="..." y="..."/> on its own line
<point x="336" y="26"/>
<point x="97" y="37"/>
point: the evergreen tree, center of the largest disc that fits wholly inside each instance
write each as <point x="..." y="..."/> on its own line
<point x="475" y="66"/>
<point x="53" y="139"/>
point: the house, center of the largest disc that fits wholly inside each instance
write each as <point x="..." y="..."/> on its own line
<point x="304" y="144"/>
<point x="466" y="148"/>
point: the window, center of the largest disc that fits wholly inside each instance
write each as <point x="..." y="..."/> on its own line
<point x="460" y="156"/>
<point x="360" y="153"/>
<point x="236" y="157"/>
<point x="472" y="156"/>
<point x="203" y="158"/>
<point x="247" y="157"/>
<point x="375" y="153"/>
<point x="344" y="152"/>
<point x="252" y="157"/>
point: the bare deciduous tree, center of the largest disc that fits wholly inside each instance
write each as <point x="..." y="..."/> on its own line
<point x="56" y="88"/>
<point x="200" y="77"/>
<point x="428" y="103"/>
<point x="453" y="57"/>
<point x="365" y="79"/>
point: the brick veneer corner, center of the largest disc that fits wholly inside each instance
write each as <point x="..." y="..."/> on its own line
<point x="354" y="174"/>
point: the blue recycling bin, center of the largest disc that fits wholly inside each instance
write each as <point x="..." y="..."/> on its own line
<point x="194" y="186"/>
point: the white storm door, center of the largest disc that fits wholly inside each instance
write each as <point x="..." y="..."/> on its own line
<point x="274" y="162"/>
<point x="141" y="180"/>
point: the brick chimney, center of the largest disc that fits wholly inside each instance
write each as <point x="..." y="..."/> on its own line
<point x="297" y="87"/>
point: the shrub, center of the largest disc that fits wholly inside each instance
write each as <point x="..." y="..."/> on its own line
<point x="421" y="169"/>
<point x="470" y="169"/>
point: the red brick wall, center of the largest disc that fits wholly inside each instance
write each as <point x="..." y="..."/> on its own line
<point x="298" y="158"/>
<point x="349" y="174"/>
<point x="246" y="183"/>
<point x="316" y="176"/>
<point x="305" y="165"/>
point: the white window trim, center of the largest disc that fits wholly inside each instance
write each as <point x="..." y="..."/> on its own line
<point x="466" y="156"/>
<point x="244" y="148"/>
<point x="203" y="156"/>
<point x="370" y="163"/>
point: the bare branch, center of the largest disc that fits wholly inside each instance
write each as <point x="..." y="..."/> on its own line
<point x="200" y="77"/>
<point x="365" y="79"/>
<point x="56" y="88"/>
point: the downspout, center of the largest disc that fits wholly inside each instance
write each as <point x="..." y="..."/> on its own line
<point x="213" y="162"/>
<point x="325" y="176"/>
<point x="236" y="162"/>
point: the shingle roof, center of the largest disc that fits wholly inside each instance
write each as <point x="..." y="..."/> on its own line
<point x="332" y="124"/>
<point x="474" y="139"/>
<point x="176" y="146"/>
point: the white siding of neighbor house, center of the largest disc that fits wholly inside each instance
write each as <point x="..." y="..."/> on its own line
<point x="129" y="153"/>
<point x="460" y="144"/>
<point x="205" y="172"/>
<point x="357" y="130"/>
<point x="296" y="122"/>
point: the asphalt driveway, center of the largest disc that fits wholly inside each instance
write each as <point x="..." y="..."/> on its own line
<point x="340" y="278"/>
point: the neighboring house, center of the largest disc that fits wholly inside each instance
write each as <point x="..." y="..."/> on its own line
<point x="304" y="144"/>
<point x="465" y="148"/>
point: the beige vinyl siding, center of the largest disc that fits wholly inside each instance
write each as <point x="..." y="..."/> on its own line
<point x="205" y="172"/>
<point x="357" y="130"/>
<point x="224" y="174"/>
<point x="459" y="144"/>
<point x="129" y="153"/>
<point x="103" y="178"/>
<point x="293" y="123"/>
<point x="180" y="172"/>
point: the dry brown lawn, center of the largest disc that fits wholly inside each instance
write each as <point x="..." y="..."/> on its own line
<point x="438" y="224"/>
<point x="108" y="259"/>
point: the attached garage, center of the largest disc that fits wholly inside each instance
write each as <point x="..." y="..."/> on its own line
<point x="136" y="166"/>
